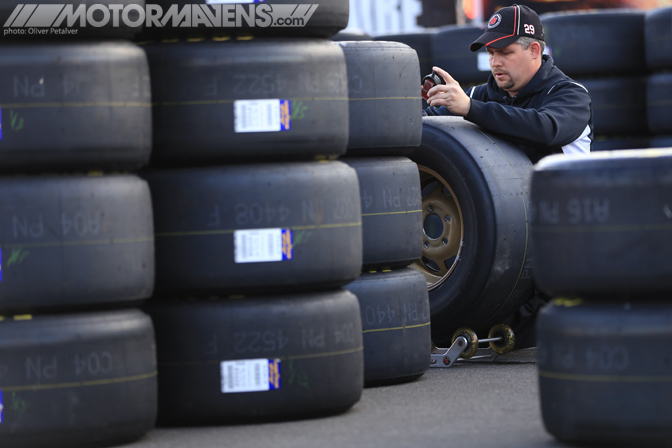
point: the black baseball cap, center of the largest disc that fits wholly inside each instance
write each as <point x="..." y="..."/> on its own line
<point x="507" y="25"/>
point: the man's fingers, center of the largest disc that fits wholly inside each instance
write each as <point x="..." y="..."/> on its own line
<point x="434" y="90"/>
<point x="442" y="88"/>
<point x="444" y="74"/>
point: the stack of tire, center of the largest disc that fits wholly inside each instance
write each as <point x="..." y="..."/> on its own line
<point x="385" y="125"/>
<point x="602" y="228"/>
<point x="614" y="70"/>
<point x="257" y="226"/>
<point x="658" y="42"/>
<point x="77" y="356"/>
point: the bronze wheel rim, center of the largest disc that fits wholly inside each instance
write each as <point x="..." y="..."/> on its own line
<point x="443" y="229"/>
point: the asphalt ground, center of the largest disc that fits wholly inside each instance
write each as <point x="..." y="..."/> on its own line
<point x="467" y="405"/>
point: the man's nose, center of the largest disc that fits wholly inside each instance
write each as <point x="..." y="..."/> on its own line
<point x="495" y="60"/>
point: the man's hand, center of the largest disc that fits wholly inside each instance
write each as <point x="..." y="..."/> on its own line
<point x="449" y="94"/>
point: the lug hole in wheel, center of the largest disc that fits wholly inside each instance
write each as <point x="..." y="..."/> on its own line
<point x="431" y="265"/>
<point x="433" y="227"/>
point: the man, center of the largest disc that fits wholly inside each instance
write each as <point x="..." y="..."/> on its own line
<point x="527" y="100"/>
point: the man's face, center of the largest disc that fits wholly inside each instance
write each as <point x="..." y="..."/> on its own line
<point x="513" y="67"/>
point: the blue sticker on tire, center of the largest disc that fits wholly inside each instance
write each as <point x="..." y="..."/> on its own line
<point x="273" y="374"/>
<point x="287" y="244"/>
<point x="285" y="115"/>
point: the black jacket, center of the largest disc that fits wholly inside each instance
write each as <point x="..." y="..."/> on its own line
<point x="551" y="114"/>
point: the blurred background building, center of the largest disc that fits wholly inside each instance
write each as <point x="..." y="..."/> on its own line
<point x="377" y="17"/>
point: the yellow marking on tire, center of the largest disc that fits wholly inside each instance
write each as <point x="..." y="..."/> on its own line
<point x="568" y="303"/>
<point x="313" y="355"/>
<point x="606" y="378"/>
<point x="604" y="228"/>
<point x="391" y="213"/>
<point x="396" y="328"/>
<point x="77" y="104"/>
<point x="388" y="98"/>
<point x="73" y="384"/>
<point x="101" y="242"/>
<point x="229" y="231"/>
<point x="229" y="101"/>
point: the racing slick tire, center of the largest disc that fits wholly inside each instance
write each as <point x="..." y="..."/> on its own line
<point x="256" y="228"/>
<point x="305" y="348"/>
<point x="247" y="100"/>
<point x="603" y="372"/>
<point x="476" y="247"/>
<point x="75" y="241"/>
<point x="77" y="380"/>
<point x="658" y="38"/>
<point x="271" y="18"/>
<point x="74" y="105"/>
<point x="616" y="39"/>
<point x="389" y="190"/>
<point x="395" y="323"/>
<point x="619" y="105"/>
<point x="659" y="103"/>
<point x="37" y="22"/>
<point x="602" y="224"/>
<point x="384" y="98"/>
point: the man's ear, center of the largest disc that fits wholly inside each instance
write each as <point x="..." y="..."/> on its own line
<point x="535" y="48"/>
